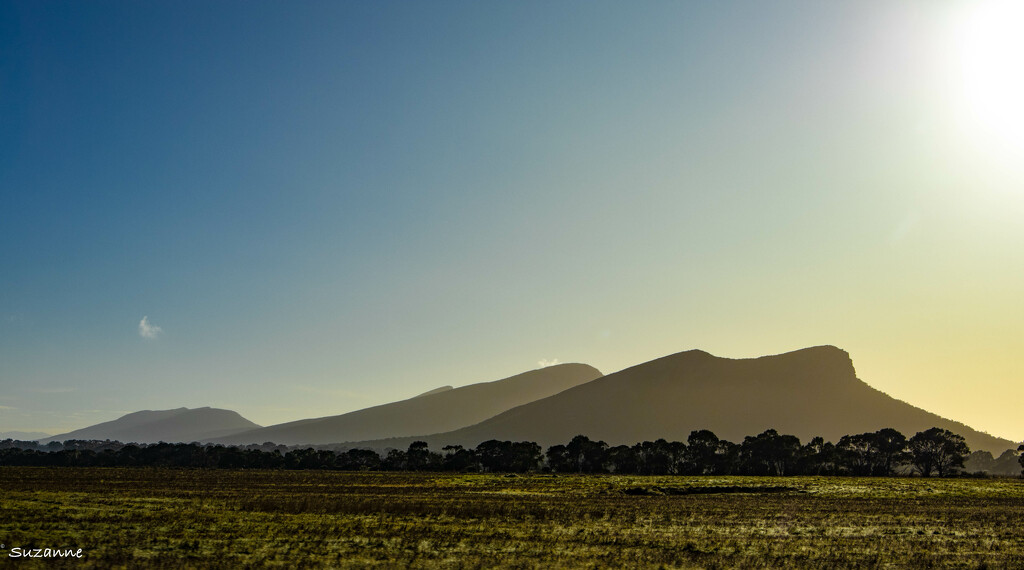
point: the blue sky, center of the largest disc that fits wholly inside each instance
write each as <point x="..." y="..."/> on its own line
<point x="325" y="206"/>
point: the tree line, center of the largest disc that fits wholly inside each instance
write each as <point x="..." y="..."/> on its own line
<point x="885" y="452"/>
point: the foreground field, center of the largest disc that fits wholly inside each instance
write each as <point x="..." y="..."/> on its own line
<point x="230" y="519"/>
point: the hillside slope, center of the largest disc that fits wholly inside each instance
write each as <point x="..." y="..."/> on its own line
<point x="435" y="411"/>
<point x="807" y="393"/>
<point x="177" y="425"/>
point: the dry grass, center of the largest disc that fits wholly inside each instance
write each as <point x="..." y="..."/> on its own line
<point x="187" y="518"/>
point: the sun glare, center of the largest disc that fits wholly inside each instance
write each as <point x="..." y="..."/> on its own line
<point x="990" y="73"/>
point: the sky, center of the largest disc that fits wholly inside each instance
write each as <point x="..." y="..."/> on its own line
<point x="295" y="210"/>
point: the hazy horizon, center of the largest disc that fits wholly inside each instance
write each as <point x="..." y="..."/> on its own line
<point x="295" y="211"/>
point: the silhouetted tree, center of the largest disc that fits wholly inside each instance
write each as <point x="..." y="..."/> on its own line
<point x="257" y="459"/>
<point x="490" y="454"/>
<point x="623" y="459"/>
<point x="980" y="461"/>
<point x="657" y="457"/>
<point x="1020" y="459"/>
<point x="854" y="453"/>
<point x="557" y="459"/>
<point x="128" y="455"/>
<point x="890" y="450"/>
<point x="1006" y="464"/>
<point x="818" y="457"/>
<point x="419" y="457"/>
<point x="770" y="453"/>
<point x="586" y="456"/>
<point x="877" y="453"/>
<point x="518" y="457"/>
<point x="526" y="456"/>
<point x="938" y="450"/>
<point x="394" y="460"/>
<point x="456" y="458"/>
<point x="705" y="454"/>
<point x="309" y="458"/>
<point x="358" y="460"/>
<point x="702" y="449"/>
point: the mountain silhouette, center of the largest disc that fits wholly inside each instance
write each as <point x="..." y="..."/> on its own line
<point x="432" y="412"/>
<point x="807" y="393"/>
<point x="172" y="426"/>
<point x="23" y="435"/>
<point x="435" y="391"/>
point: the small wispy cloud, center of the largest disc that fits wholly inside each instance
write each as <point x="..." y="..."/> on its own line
<point x="148" y="330"/>
<point x="7" y="408"/>
<point x="544" y="362"/>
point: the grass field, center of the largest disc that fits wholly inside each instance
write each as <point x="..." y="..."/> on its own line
<point x="230" y="519"/>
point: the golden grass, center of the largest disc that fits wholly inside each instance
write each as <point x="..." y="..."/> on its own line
<point x="230" y="519"/>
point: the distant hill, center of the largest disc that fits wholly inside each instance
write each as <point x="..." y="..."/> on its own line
<point x="172" y="426"/>
<point x="23" y="435"/>
<point x="435" y="411"/>
<point x="435" y="391"/>
<point x="807" y="393"/>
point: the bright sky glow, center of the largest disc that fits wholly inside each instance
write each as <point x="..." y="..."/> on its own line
<point x="989" y="48"/>
<point x="298" y="210"/>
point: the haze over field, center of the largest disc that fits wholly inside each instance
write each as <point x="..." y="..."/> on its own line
<point x="298" y="211"/>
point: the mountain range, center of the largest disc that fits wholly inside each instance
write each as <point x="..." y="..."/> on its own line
<point x="809" y="392"/>
<point x="23" y="435"/>
<point x="438" y="410"/>
<point x="177" y="425"/>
